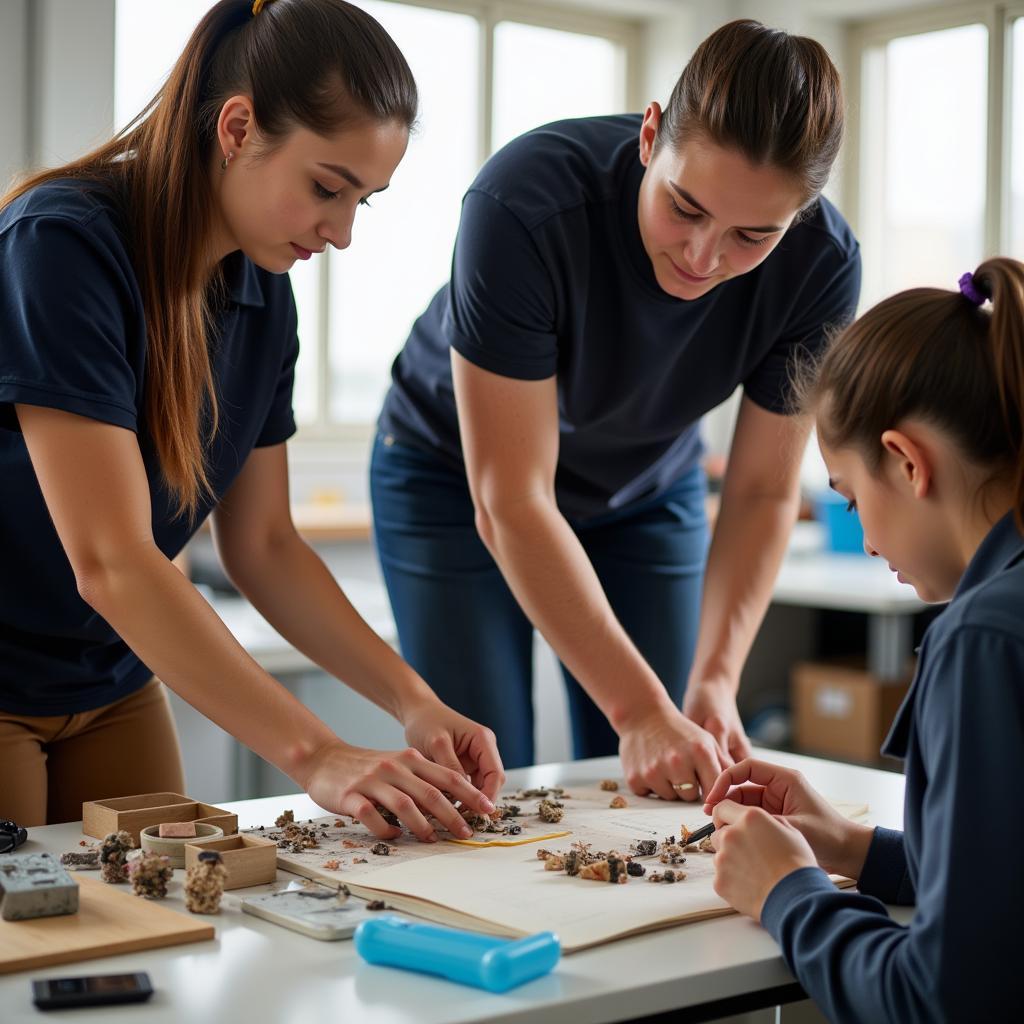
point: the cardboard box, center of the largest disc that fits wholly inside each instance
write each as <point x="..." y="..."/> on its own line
<point x="841" y="710"/>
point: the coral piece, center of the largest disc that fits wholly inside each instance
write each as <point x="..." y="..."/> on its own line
<point x="543" y="854"/>
<point x="611" y="870"/>
<point x="645" y="847"/>
<point x="113" y="853"/>
<point x="88" y="861"/>
<point x="149" y="874"/>
<point x="669" y="876"/>
<point x="389" y="816"/>
<point x="635" y="869"/>
<point x="332" y="865"/>
<point x="510" y="810"/>
<point x="618" y="872"/>
<point x="609" y="785"/>
<point x="550" y="811"/>
<point x="596" y="872"/>
<point x="573" y="863"/>
<point x="204" y="883"/>
<point x="350" y="844"/>
<point x="705" y="845"/>
<point x="618" y="801"/>
<point x="655" y="876"/>
<point x="672" y="855"/>
<point x="554" y="863"/>
<point x="360" y="860"/>
<point x="297" y="838"/>
<point x="381" y="849"/>
<point x="376" y="905"/>
<point x="284" y="818"/>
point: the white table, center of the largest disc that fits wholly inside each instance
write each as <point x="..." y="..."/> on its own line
<point x="255" y="971"/>
<point x="811" y="577"/>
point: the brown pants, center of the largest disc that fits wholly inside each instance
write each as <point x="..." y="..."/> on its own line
<point x="49" y="766"/>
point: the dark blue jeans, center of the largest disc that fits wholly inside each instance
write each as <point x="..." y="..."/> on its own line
<point x="460" y="627"/>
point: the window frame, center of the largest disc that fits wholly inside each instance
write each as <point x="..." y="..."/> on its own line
<point x="624" y="31"/>
<point x="873" y="33"/>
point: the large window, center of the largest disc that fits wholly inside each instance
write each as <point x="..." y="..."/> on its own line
<point x="1016" y="120"/>
<point x="486" y="72"/>
<point x="941" y="144"/>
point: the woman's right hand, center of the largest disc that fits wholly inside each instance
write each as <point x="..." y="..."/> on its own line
<point x="356" y="781"/>
<point x="840" y="845"/>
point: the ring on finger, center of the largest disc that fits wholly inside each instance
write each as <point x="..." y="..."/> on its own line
<point x="682" y="787"/>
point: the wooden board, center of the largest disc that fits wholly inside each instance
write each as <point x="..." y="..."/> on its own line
<point x="110" y="920"/>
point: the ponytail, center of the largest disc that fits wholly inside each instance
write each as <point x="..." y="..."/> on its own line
<point x="936" y="355"/>
<point x="1002" y="280"/>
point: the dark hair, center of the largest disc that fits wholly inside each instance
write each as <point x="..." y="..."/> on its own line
<point x="318" y="64"/>
<point x="935" y="355"/>
<point x="774" y="97"/>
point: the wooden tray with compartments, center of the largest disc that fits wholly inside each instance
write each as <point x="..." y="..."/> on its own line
<point x="134" y="813"/>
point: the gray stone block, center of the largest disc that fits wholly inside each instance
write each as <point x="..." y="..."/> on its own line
<point x="35" y="885"/>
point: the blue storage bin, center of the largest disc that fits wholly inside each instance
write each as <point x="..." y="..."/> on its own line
<point x="843" y="532"/>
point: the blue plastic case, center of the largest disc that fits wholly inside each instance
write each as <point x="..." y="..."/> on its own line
<point x="482" y="960"/>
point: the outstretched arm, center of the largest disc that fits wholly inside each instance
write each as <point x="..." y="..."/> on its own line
<point x="96" y="490"/>
<point x="288" y="582"/>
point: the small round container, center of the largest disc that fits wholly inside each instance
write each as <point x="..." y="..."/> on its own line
<point x="174" y="847"/>
<point x="843" y="532"/>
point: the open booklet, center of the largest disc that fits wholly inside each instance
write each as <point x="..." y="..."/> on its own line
<point x="506" y="890"/>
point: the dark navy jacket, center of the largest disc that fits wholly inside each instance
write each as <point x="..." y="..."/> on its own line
<point x="961" y="856"/>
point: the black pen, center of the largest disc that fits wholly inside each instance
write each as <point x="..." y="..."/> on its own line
<point x="701" y="833"/>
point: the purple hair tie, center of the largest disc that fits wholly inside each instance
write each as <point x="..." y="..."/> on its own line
<point x="970" y="291"/>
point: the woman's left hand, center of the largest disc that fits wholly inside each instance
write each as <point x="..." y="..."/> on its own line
<point x="754" y="851"/>
<point x="450" y="739"/>
<point x="713" y="707"/>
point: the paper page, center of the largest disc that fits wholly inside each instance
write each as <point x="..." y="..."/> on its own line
<point x="508" y="890"/>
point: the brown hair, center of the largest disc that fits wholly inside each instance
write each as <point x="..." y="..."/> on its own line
<point x="774" y="97"/>
<point x="934" y="355"/>
<point x="318" y="64"/>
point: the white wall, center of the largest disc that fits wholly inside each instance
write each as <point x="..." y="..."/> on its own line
<point x="14" y="71"/>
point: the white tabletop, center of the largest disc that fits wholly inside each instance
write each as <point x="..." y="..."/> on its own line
<point x="257" y="971"/>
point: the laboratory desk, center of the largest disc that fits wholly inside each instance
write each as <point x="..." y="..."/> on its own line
<point x="256" y="971"/>
<point x="812" y="577"/>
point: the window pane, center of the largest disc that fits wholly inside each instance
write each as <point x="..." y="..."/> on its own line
<point x="924" y="189"/>
<point x="1017" y="142"/>
<point x="402" y="246"/>
<point x="570" y="75"/>
<point x="148" y="38"/>
<point x="305" y="277"/>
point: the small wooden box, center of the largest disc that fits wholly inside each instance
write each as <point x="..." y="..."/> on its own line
<point x="134" y="813"/>
<point x="249" y="860"/>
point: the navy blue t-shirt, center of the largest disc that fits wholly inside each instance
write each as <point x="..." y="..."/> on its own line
<point x="550" y="277"/>
<point x="73" y="337"/>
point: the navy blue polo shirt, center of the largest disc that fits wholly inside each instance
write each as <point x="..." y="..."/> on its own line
<point x="961" y="733"/>
<point x="73" y="337"/>
<point x="550" y="277"/>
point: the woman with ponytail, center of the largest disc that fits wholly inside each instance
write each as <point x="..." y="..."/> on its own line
<point x="146" y="370"/>
<point x="920" y="413"/>
<point x="539" y="458"/>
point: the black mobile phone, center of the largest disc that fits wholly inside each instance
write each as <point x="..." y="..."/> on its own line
<point x="91" y="990"/>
